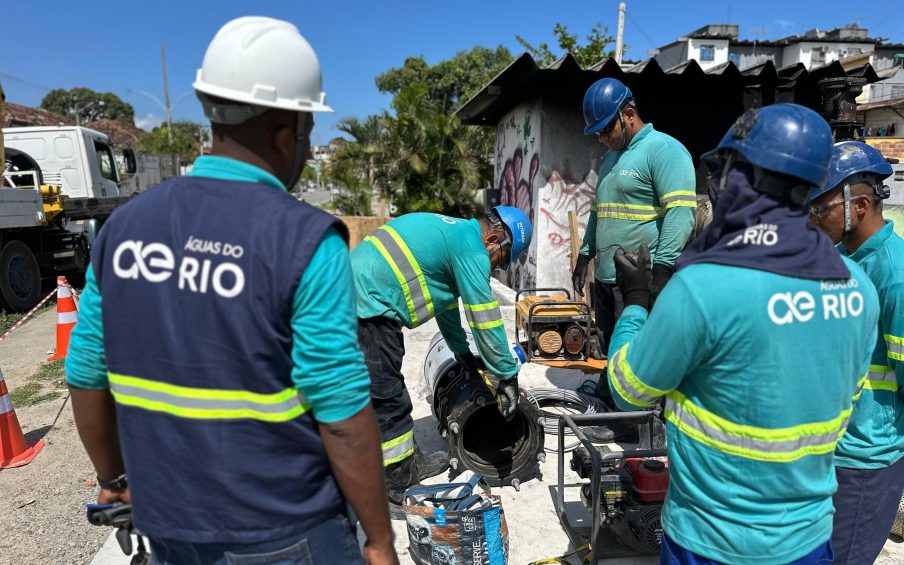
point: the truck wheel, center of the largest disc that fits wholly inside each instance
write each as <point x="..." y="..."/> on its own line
<point x="20" y="277"/>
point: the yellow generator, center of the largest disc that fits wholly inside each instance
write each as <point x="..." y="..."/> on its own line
<point x="550" y="326"/>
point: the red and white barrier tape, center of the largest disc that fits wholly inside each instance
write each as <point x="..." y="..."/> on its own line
<point x="36" y="308"/>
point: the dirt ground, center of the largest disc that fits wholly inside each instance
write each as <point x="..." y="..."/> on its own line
<point x="42" y="516"/>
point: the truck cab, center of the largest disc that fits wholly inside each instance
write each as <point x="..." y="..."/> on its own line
<point x="79" y="159"/>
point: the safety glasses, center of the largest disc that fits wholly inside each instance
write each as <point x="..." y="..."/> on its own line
<point x="609" y="127"/>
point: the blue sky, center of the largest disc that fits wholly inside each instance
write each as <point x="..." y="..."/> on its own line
<point x="115" y="46"/>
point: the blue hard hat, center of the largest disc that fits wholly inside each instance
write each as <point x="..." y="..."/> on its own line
<point x="519" y="228"/>
<point x="602" y="101"/>
<point x="784" y="138"/>
<point x="851" y="158"/>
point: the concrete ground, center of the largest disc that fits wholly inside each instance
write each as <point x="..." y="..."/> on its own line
<point x="534" y="528"/>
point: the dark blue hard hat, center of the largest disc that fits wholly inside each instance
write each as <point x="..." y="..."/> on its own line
<point x="853" y="158"/>
<point x="519" y="226"/>
<point x="783" y="138"/>
<point x="602" y="101"/>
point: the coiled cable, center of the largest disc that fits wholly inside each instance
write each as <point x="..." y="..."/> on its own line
<point x="581" y="401"/>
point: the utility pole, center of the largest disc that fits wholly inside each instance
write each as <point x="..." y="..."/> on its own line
<point x="169" y="112"/>
<point x="620" y="34"/>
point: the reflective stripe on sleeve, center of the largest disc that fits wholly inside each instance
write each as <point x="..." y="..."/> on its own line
<point x="483" y="316"/>
<point x="881" y="377"/>
<point x="206" y="403"/>
<point x="398" y="448"/>
<point x="407" y="271"/>
<point x="780" y="445"/>
<point x="895" y="346"/>
<point x="626" y="383"/>
<point x="679" y="198"/>
<point x="621" y="211"/>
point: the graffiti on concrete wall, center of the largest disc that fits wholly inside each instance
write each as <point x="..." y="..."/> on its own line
<point x="559" y="195"/>
<point x="517" y="165"/>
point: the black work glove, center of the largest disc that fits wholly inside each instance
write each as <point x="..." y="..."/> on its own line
<point x="661" y="275"/>
<point x="507" y="397"/>
<point x="579" y="276"/>
<point x="470" y="362"/>
<point x="633" y="276"/>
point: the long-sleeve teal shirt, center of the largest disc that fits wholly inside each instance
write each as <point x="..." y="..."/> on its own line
<point x="417" y="266"/>
<point x="332" y="376"/>
<point x="875" y="436"/>
<point x="645" y="195"/>
<point x="759" y="373"/>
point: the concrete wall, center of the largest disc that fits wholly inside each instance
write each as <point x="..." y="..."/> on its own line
<point x="895" y="214"/>
<point x="673" y="55"/>
<point x="803" y="52"/>
<point x="546" y="166"/>
<point x="882" y="118"/>
<point x="748" y="56"/>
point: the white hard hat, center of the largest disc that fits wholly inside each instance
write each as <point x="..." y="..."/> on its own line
<point x="263" y="62"/>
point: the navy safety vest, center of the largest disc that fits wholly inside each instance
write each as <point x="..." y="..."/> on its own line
<point x="197" y="278"/>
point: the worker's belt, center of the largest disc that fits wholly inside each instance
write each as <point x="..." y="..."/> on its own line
<point x="881" y="377"/>
<point x="483" y="316"/>
<point x="206" y="403"/>
<point x="399" y="448"/>
<point x="409" y="274"/>
<point x="895" y="346"/>
<point x="644" y="212"/>
<point x="780" y="445"/>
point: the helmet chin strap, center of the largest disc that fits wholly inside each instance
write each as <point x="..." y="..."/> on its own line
<point x="847" y="209"/>
<point x="298" y="167"/>
<point x="624" y="131"/>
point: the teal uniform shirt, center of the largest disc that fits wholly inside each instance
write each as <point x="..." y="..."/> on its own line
<point x="759" y="373"/>
<point x="417" y="266"/>
<point x="333" y="376"/>
<point x="645" y="195"/>
<point x="875" y="436"/>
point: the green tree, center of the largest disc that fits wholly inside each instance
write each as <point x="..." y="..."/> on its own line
<point x="449" y="83"/>
<point x="188" y="137"/>
<point x="587" y="55"/>
<point x="89" y="105"/>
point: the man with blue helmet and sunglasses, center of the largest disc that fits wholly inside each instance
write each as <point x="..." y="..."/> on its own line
<point x="413" y="269"/>
<point x="645" y="195"/>
<point x="869" y="460"/>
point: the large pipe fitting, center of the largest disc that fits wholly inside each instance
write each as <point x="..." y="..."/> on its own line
<point x="480" y="439"/>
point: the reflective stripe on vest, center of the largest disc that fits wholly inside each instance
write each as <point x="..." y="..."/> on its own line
<point x="881" y="377"/>
<point x="895" y="346"/>
<point x="407" y="271"/>
<point x="679" y="198"/>
<point x="777" y="445"/>
<point x="621" y="211"/>
<point x="626" y="382"/>
<point x="206" y="403"/>
<point x="483" y="316"/>
<point x="399" y="448"/>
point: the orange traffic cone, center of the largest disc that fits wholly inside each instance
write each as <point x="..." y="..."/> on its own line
<point x="14" y="452"/>
<point x="67" y="316"/>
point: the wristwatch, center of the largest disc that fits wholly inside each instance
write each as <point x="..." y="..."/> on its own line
<point x="119" y="483"/>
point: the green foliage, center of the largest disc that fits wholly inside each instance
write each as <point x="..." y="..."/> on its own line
<point x="90" y="105"/>
<point x="187" y="140"/>
<point x="451" y="82"/>
<point x="50" y="376"/>
<point x="587" y="55"/>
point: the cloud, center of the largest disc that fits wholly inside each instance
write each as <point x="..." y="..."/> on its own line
<point x="148" y="121"/>
<point x="784" y="24"/>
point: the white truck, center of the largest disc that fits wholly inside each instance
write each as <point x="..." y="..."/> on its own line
<point x="58" y="185"/>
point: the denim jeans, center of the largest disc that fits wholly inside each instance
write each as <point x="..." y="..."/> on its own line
<point x="674" y="554"/>
<point x="333" y="541"/>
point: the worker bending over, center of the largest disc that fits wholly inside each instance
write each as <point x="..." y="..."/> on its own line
<point x="409" y="271"/>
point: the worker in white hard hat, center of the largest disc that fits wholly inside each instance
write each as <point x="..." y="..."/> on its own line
<point x="216" y="378"/>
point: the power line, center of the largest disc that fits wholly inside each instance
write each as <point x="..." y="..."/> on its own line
<point x="640" y="29"/>
<point x="24" y="82"/>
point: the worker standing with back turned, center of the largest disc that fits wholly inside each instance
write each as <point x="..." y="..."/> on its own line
<point x="760" y="345"/>
<point x="413" y="269"/>
<point x="869" y="461"/>
<point x="202" y="385"/>
<point x="645" y="196"/>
